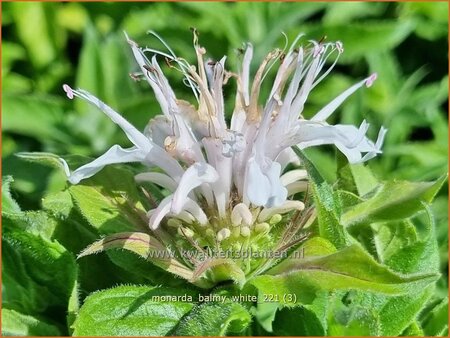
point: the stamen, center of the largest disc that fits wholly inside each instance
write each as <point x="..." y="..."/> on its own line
<point x="68" y="91"/>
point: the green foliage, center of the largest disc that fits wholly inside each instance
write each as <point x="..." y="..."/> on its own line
<point x="108" y="204"/>
<point x="328" y="207"/>
<point x="393" y="201"/>
<point x="37" y="273"/>
<point x="132" y="311"/>
<point x="16" y="324"/>
<point x="349" y="268"/>
<point x="214" y="319"/>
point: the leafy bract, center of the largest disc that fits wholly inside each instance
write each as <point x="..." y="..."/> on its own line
<point x="143" y="245"/>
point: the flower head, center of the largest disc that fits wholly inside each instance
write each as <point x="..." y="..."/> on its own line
<point x="228" y="179"/>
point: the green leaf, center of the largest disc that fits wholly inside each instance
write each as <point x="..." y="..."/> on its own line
<point x="38" y="223"/>
<point x="133" y="311"/>
<point x="59" y="204"/>
<point x="73" y="307"/>
<point x="37" y="273"/>
<point x="413" y="330"/>
<point x="46" y="159"/>
<point x="391" y="237"/>
<point x="349" y="268"/>
<point x="40" y="117"/>
<point x="316" y="246"/>
<point x="394" y="200"/>
<point x="44" y="38"/>
<point x="355" y="178"/>
<point x="353" y="313"/>
<point x="110" y="201"/>
<point x="309" y="320"/>
<point x="435" y="323"/>
<point x="265" y="313"/>
<point x="345" y="12"/>
<point x="17" y="324"/>
<point x="378" y="36"/>
<point x="326" y="203"/>
<point x="9" y="205"/>
<point x="214" y="319"/>
<point x="399" y="312"/>
<point x="400" y="247"/>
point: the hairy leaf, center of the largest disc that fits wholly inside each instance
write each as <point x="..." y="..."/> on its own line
<point x="133" y="311"/>
<point x="9" y="205"/>
<point x="214" y="319"/>
<point x="110" y="201"/>
<point x="17" y="324"/>
<point x="37" y="273"/>
<point x="349" y="268"/>
<point x="394" y="200"/>
<point x="327" y="205"/>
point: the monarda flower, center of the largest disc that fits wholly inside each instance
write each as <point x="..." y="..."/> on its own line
<point x="229" y="187"/>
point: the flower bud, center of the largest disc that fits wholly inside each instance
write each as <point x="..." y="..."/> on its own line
<point x="263" y="227"/>
<point x="223" y="234"/>
<point x="183" y="231"/>
<point x="245" y="231"/>
<point x="275" y="219"/>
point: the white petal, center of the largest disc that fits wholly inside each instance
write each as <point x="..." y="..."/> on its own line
<point x="286" y="157"/>
<point x="223" y="234"/>
<point x="195" y="175"/>
<point x="194" y="209"/>
<point x="160" y="212"/>
<point x="245" y="75"/>
<point x="293" y="176"/>
<point x="347" y="138"/>
<point x="184" y="216"/>
<point x="257" y="185"/>
<point x="65" y="166"/>
<point x="134" y="135"/>
<point x="241" y="215"/>
<point x="329" y="109"/>
<point x="278" y="191"/>
<point x="297" y="187"/>
<point x="143" y="62"/>
<point x="157" y="178"/>
<point x="115" y="154"/>
<point x="160" y="158"/>
<point x="158" y="128"/>
<point x="262" y="183"/>
<point x="223" y="166"/>
<point x="287" y="206"/>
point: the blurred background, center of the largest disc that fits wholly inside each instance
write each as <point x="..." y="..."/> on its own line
<point x="45" y="45"/>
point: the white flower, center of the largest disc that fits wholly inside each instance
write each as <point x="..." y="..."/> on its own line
<point x="233" y="171"/>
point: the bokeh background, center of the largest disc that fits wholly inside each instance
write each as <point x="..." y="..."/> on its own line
<point x="45" y="45"/>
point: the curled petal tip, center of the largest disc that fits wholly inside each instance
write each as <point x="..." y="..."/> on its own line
<point x="68" y="90"/>
<point x="371" y="79"/>
<point x="340" y="47"/>
<point x="131" y="42"/>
